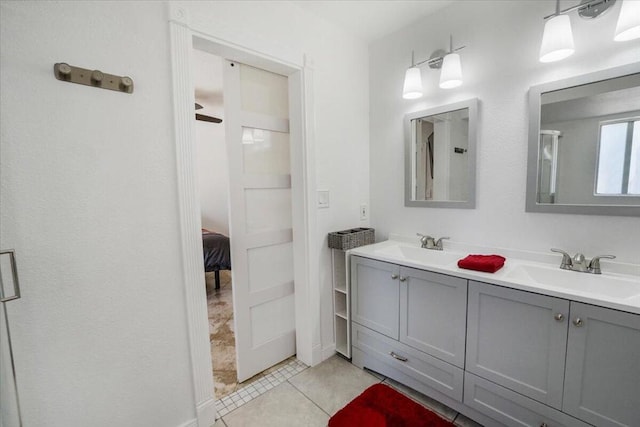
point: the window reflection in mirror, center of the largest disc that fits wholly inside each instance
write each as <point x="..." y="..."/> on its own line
<point x="619" y="158"/>
<point x="583" y="155"/>
<point x="440" y="156"/>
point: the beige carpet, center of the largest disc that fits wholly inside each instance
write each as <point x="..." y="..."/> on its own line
<point x="221" y="335"/>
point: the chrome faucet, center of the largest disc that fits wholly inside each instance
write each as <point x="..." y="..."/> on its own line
<point x="428" y="242"/>
<point x="580" y="263"/>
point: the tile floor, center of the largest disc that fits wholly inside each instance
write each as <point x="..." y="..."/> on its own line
<point x="301" y="396"/>
<point x="259" y="384"/>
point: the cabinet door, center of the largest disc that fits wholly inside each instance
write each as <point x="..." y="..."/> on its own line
<point x="376" y="295"/>
<point x="433" y="313"/>
<point x="602" y="382"/>
<point x="518" y="340"/>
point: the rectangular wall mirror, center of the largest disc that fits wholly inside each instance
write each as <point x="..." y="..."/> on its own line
<point x="440" y="156"/>
<point x="584" y="144"/>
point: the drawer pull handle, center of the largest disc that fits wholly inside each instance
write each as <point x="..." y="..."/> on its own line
<point x="400" y="358"/>
<point x="577" y="321"/>
<point x="403" y="279"/>
<point x="559" y="317"/>
<point x="394" y="276"/>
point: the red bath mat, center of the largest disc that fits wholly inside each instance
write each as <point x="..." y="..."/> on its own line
<point x="382" y="406"/>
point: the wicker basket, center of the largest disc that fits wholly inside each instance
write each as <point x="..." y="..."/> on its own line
<point x="349" y="239"/>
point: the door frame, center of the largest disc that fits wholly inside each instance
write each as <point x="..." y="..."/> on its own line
<point x="183" y="39"/>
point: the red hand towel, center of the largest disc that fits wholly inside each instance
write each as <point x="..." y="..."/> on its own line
<point x="486" y="263"/>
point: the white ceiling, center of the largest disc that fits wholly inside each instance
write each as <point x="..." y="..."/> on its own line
<point x="371" y="20"/>
<point x="367" y="19"/>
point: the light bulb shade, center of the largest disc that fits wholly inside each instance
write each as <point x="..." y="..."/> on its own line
<point x="628" y="27"/>
<point x="557" y="40"/>
<point x="412" y="84"/>
<point x="451" y="74"/>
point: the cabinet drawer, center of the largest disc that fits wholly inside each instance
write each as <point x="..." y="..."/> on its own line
<point x="511" y="408"/>
<point x="434" y="373"/>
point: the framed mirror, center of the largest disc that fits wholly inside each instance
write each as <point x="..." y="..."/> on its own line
<point x="440" y="156"/>
<point x="584" y="144"/>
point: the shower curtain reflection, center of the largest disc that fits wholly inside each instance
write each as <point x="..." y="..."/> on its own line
<point x="548" y="166"/>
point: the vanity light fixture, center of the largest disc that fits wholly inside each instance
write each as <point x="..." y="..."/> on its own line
<point x="412" y="81"/>
<point x="450" y="76"/>
<point x="557" y="39"/>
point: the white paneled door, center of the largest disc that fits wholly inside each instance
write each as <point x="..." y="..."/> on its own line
<point x="260" y="216"/>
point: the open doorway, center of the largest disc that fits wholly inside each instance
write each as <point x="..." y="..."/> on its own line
<point x="213" y="184"/>
<point x="245" y="182"/>
<point x="307" y="302"/>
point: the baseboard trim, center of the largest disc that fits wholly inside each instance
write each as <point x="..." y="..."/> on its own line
<point x="192" y="423"/>
<point x="328" y="351"/>
<point x="316" y="355"/>
<point x="206" y="413"/>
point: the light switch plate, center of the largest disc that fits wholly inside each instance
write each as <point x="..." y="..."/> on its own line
<point x="323" y="199"/>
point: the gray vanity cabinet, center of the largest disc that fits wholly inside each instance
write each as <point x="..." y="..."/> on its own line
<point x="602" y="380"/>
<point x="432" y="313"/>
<point x="516" y="358"/>
<point x="518" y="340"/>
<point x="375" y="292"/>
<point x="409" y="324"/>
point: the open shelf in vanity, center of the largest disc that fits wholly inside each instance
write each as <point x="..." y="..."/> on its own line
<point x="341" y="308"/>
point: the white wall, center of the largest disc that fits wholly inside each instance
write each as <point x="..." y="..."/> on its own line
<point x="499" y="64"/>
<point x="89" y="203"/>
<point x="211" y="148"/>
<point x="89" y="197"/>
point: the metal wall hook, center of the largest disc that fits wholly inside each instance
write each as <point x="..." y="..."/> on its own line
<point x="96" y="78"/>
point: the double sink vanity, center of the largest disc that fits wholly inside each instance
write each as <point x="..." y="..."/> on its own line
<point x="529" y="345"/>
<point x="536" y="343"/>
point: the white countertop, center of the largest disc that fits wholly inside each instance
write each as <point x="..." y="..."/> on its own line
<point x="618" y="286"/>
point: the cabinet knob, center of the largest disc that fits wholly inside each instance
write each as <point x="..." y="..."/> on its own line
<point x="559" y="317"/>
<point x="394" y="276"/>
<point x="403" y="279"/>
<point x="577" y="321"/>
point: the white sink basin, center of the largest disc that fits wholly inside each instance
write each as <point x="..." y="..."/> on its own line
<point x="609" y="285"/>
<point x="425" y="256"/>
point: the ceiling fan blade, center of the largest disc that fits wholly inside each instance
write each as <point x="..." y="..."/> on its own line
<point x="209" y="119"/>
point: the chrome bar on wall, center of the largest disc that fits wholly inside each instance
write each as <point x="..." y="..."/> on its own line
<point x="8" y="258"/>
